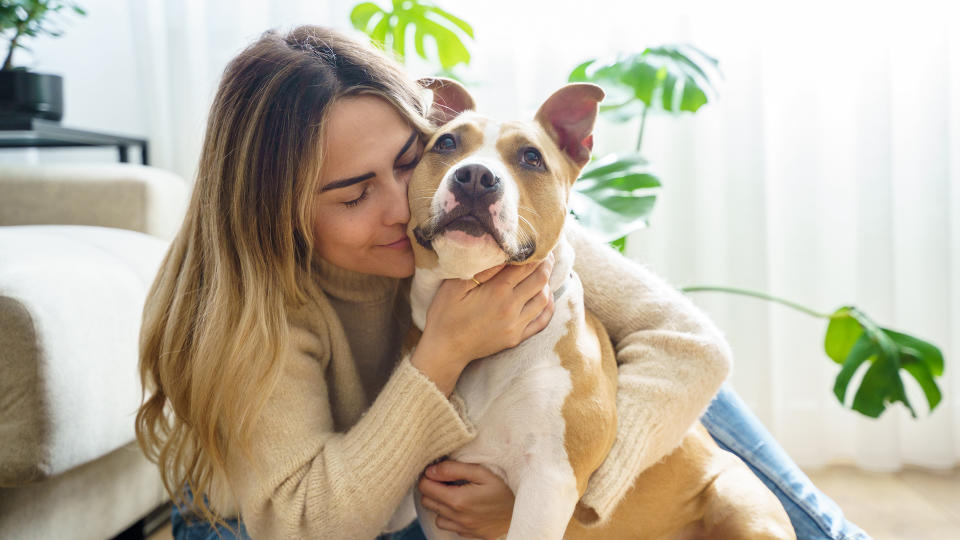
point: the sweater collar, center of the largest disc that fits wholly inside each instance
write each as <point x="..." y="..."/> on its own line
<point x="350" y="285"/>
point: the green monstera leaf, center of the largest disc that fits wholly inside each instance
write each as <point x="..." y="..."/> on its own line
<point x="391" y="30"/>
<point x="614" y="196"/>
<point x="853" y="340"/>
<point x="672" y="78"/>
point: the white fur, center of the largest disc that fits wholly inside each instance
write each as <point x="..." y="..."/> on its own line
<point x="515" y="399"/>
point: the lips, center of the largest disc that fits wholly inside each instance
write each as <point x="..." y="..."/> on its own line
<point x="401" y="242"/>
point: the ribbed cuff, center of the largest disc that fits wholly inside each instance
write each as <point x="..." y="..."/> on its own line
<point x="616" y="475"/>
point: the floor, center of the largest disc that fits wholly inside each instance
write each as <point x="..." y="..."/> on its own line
<point x="909" y="505"/>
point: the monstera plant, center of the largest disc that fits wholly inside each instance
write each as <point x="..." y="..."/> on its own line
<point x="422" y="22"/>
<point x="615" y="194"/>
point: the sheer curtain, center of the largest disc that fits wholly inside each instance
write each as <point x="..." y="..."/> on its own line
<point x="828" y="172"/>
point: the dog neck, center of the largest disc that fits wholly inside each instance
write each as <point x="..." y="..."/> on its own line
<point x="426" y="281"/>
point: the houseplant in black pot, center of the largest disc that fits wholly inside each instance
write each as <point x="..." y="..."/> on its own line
<point x="23" y="93"/>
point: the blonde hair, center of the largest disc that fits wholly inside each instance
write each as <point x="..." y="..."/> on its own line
<point x="214" y="324"/>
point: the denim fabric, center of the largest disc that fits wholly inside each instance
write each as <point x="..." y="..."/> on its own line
<point x="410" y="532"/>
<point x="814" y="515"/>
<point x="200" y="529"/>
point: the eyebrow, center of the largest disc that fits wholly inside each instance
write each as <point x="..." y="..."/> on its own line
<point x="351" y="181"/>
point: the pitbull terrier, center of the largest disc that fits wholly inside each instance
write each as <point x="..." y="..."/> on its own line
<point x="489" y="192"/>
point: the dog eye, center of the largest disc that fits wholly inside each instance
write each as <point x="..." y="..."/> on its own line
<point x="531" y="157"/>
<point x="446" y="143"/>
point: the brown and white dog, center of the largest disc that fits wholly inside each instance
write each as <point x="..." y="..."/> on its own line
<point x="489" y="192"/>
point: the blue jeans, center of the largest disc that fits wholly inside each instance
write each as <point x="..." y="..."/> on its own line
<point x="736" y="429"/>
<point x="814" y="515"/>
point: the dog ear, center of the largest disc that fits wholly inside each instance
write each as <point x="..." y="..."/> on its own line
<point x="568" y="116"/>
<point x="450" y="99"/>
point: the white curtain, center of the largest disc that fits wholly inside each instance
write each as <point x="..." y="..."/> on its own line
<point x="828" y="172"/>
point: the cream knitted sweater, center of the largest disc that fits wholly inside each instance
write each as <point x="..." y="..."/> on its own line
<point x="352" y="425"/>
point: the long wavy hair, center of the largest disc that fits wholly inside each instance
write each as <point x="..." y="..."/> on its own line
<point x="214" y="327"/>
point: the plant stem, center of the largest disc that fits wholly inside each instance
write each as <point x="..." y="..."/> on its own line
<point x="8" y="63"/>
<point x="643" y="123"/>
<point x="760" y="295"/>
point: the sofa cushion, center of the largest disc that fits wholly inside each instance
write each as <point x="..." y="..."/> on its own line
<point x="120" y="195"/>
<point x="71" y="301"/>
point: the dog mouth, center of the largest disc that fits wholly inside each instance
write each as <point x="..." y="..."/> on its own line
<point x="476" y="224"/>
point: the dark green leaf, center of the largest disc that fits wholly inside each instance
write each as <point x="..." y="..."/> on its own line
<point x="924" y="351"/>
<point x="924" y="378"/>
<point x="858" y="354"/>
<point x="881" y="385"/>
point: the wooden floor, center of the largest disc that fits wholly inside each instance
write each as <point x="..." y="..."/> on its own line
<point x="913" y="504"/>
<point x="909" y="505"/>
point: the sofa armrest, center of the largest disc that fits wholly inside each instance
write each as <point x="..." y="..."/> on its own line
<point x="124" y="196"/>
<point x="71" y="302"/>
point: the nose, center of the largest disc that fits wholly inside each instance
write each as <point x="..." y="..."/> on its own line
<point x="397" y="210"/>
<point x="476" y="180"/>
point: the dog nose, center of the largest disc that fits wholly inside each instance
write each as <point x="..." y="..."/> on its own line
<point x="476" y="179"/>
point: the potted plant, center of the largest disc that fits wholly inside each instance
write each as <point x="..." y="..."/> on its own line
<point x="25" y="94"/>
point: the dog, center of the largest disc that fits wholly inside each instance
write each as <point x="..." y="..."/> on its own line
<point x="486" y="193"/>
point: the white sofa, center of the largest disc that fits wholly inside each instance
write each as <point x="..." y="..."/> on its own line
<point x="79" y="248"/>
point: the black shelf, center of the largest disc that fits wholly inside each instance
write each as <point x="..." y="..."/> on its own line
<point x="39" y="133"/>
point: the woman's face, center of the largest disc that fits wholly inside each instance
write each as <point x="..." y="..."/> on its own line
<point x="361" y="207"/>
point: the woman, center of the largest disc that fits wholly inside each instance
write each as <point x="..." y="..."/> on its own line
<point x="271" y="338"/>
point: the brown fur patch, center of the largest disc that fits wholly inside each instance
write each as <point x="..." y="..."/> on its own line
<point x="589" y="411"/>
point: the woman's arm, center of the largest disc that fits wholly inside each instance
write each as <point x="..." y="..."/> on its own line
<point x="304" y="479"/>
<point x="672" y="360"/>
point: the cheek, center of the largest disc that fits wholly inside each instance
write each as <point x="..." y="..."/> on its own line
<point x="341" y="235"/>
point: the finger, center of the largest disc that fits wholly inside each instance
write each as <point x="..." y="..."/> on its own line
<point x="450" y="470"/>
<point x="540" y="322"/>
<point x="435" y="490"/>
<point x="534" y="307"/>
<point x="438" y="507"/>
<point x="457" y="287"/>
<point x="450" y="525"/>
<point x="485" y="276"/>
<point x="532" y="284"/>
<point x="512" y="275"/>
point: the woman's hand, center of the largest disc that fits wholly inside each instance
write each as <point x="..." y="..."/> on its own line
<point x="479" y="508"/>
<point x="466" y="321"/>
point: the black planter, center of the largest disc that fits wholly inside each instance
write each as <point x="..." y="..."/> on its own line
<point x="24" y="94"/>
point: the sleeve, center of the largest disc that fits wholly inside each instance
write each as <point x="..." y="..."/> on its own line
<point x="308" y="481"/>
<point x="672" y="360"/>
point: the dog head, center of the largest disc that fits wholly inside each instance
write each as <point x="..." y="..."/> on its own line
<point x="488" y="192"/>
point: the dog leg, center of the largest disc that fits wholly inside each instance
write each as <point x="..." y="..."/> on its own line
<point x="739" y="505"/>
<point x="428" y="521"/>
<point x="544" y="501"/>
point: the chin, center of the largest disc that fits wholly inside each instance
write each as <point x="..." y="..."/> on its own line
<point x="396" y="267"/>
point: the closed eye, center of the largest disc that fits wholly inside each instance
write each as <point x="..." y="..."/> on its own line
<point x="357" y="201"/>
